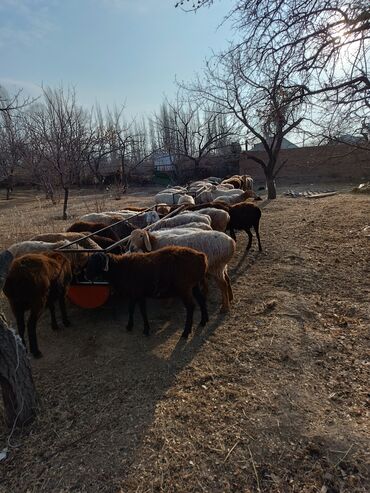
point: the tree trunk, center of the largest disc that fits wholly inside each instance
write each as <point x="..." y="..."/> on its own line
<point x="271" y="186"/>
<point x="16" y="381"/>
<point x="65" y="203"/>
<point x="196" y="169"/>
<point x="9" y="186"/>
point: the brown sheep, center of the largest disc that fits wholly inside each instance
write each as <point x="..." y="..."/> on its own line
<point x="171" y="272"/>
<point x="83" y="226"/>
<point x="105" y="242"/>
<point x="36" y="281"/>
<point x="163" y="209"/>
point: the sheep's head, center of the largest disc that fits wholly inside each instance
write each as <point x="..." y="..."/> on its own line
<point x="162" y="209"/>
<point x="140" y="241"/>
<point x="97" y="265"/>
<point x="151" y="217"/>
<point x="78" y="260"/>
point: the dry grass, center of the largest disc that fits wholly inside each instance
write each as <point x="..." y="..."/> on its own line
<point x="29" y="214"/>
<point x="270" y="398"/>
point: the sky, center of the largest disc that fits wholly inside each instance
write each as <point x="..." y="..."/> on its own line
<point x="111" y="51"/>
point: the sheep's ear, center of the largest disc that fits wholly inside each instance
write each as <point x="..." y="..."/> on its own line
<point x="147" y="243"/>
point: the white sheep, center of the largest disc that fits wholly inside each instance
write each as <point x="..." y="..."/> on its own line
<point x="78" y="260"/>
<point x="235" y="199"/>
<point x="209" y="196"/>
<point x="137" y="220"/>
<point x="219" y="218"/>
<point x="186" y="199"/>
<point x="169" y="197"/>
<point x="192" y="225"/>
<point x="184" y="218"/>
<point x="218" y="247"/>
<point x="84" y="242"/>
<point x="24" y="247"/>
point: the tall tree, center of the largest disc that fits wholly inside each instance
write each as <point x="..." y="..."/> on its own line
<point x="11" y="146"/>
<point x="263" y="101"/>
<point x="191" y="131"/>
<point x="329" y="39"/>
<point x="59" y="125"/>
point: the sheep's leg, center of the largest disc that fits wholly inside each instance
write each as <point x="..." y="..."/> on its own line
<point x="31" y="325"/>
<point x="204" y="287"/>
<point x="250" y="239"/>
<point x="19" y="315"/>
<point x="189" y="305"/>
<point x="223" y="286"/>
<point x="229" y="288"/>
<point x="131" y="311"/>
<point x="142" y="306"/>
<point x="232" y="233"/>
<point x="202" y="305"/>
<point x="256" y="229"/>
<point x="54" y="323"/>
<point x="63" y="311"/>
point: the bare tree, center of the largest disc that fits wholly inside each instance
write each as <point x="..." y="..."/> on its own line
<point x="348" y="125"/>
<point x="329" y="39"/>
<point x="191" y="131"/>
<point x="11" y="147"/>
<point x="260" y="101"/>
<point x="129" y="144"/>
<point x="100" y="144"/>
<point x="36" y="167"/>
<point x="59" y="126"/>
<point x="14" y="102"/>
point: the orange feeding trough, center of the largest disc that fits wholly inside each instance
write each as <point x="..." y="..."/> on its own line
<point x="87" y="295"/>
<point x="92" y="295"/>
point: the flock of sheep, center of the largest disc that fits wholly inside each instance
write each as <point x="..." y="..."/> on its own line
<point x="163" y="253"/>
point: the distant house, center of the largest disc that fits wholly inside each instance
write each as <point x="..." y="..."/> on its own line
<point x="163" y="162"/>
<point x="346" y="139"/>
<point x="286" y="144"/>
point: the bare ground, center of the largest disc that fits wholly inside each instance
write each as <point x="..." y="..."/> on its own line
<point x="270" y="398"/>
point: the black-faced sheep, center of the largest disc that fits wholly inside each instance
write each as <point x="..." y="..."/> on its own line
<point x="244" y="216"/>
<point x="171" y="272"/>
<point x="36" y="281"/>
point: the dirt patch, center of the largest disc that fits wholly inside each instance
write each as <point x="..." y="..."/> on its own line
<point x="271" y="397"/>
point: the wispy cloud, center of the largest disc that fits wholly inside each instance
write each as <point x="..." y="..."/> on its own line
<point x="24" y="21"/>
